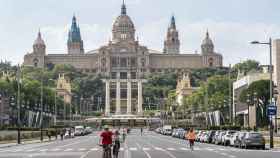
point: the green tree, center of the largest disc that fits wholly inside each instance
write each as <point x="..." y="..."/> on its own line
<point x="260" y="90"/>
<point x="246" y="66"/>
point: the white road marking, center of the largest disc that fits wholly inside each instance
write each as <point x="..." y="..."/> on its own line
<point x="30" y="150"/>
<point x="94" y="149"/>
<point x="146" y="149"/>
<point x="55" y="149"/>
<point x="68" y="149"/>
<point x="170" y="149"/>
<point x="43" y="150"/>
<point x="160" y="149"/>
<point x="184" y="148"/>
<point x="82" y="149"/>
<point x="121" y="149"/>
<point x="133" y="149"/>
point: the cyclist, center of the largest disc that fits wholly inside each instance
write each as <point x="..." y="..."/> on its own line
<point x="106" y="142"/>
<point x="116" y="146"/>
<point x="191" y="137"/>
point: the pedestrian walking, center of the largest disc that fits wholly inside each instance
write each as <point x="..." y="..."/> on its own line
<point x="117" y="145"/>
<point x="141" y="131"/>
<point x="106" y="142"/>
<point x="190" y="135"/>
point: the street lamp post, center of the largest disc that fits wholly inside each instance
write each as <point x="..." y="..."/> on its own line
<point x="42" y="106"/>
<point x="18" y="103"/>
<point x="269" y="43"/>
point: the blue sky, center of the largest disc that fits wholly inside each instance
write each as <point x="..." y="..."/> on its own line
<point x="232" y="24"/>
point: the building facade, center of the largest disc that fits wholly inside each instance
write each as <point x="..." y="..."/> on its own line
<point x="184" y="88"/>
<point x="276" y="77"/>
<point x="123" y="61"/>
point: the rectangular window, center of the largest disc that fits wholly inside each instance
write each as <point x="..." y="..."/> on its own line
<point x="123" y="75"/>
<point x="114" y="61"/>
<point x="133" y="75"/>
<point x="123" y="62"/>
<point x="133" y="62"/>
<point x="113" y="75"/>
<point x="123" y="93"/>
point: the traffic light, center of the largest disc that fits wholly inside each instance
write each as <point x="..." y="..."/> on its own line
<point x="12" y="101"/>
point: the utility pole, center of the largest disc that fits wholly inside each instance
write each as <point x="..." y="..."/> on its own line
<point x="229" y="94"/>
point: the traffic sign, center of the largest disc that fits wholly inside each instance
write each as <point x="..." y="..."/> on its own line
<point x="271" y="110"/>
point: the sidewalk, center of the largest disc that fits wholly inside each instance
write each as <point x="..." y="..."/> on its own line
<point x="24" y="142"/>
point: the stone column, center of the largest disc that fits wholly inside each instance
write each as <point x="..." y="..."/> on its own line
<point x="107" y="99"/>
<point x="140" y="99"/>
<point x="118" y="98"/>
<point x="129" y="97"/>
<point x="252" y="115"/>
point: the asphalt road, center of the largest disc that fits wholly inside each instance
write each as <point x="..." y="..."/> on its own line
<point x="150" y="145"/>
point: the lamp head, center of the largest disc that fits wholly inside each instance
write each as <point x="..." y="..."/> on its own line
<point x="255" y="42"/>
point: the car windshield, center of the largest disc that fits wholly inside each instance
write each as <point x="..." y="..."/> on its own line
<point x="255" y="135"/>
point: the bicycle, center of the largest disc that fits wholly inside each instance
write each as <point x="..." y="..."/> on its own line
<point x="116" y="148"/>
<point x="191" y="144"/>
<point x="106" y="151"/>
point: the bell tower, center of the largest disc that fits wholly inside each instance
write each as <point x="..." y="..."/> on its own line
<point x="172" y="42"/>
<point x="75" y="43"/>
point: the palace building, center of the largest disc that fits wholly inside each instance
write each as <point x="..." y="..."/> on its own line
<point x="124" y="62"/>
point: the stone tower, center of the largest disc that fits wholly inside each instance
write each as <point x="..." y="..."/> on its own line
<point x="39" y="51"/>
<point x="123" y="28"/>
<point x="75" y="43"/>
<point x="39" y="46"/>
<point x="172" y="42"/>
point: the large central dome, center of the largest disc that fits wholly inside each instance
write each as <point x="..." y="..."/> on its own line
<point x="123" y="27"/>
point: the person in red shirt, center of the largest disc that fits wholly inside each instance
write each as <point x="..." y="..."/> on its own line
<point x="106" y="141"/>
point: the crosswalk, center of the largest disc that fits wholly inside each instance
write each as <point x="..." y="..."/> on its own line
<point x="121" y="149"/>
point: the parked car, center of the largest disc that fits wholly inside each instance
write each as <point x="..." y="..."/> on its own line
<point x="181" y="134"/>
<point x="88" y="130"/>
<point x="233" y="139"/>
<point x="211" y="136"/>
<point x="198" y="136"/>
<point x="226" y="137"/>
<point x="253" y="139"/>
<point x="69" y="133"/>
<point x="239" y="138"/>
<point x="220" y="137"/>
<point x="176" y="132"/>
<point x="167" y="130"/>
<point x="215" y="137"/>
<point x="204" y="138"/>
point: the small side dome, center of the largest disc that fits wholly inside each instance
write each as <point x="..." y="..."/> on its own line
<point x="207" y="41"/>
<point x="207" y="45"/>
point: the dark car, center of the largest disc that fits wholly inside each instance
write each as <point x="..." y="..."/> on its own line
<point x="253" y="139"/>
<point x="211" y="136"/>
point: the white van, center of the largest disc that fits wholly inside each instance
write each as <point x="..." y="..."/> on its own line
<point x="167" y="130"/>
<point x="79" y="131"/>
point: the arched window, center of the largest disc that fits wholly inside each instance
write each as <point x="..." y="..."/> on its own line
<point x="143" y="62"/>
<point x="211" y="62"/>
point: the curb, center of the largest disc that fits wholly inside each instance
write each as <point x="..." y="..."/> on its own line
<point x="25" y="143"/>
